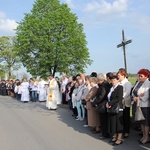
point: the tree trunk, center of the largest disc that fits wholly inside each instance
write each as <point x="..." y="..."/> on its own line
<point x="54" y="71"/>
<point x="9" y="72"/>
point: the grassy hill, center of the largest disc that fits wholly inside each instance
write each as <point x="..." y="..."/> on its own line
<point x="132" y="80"/>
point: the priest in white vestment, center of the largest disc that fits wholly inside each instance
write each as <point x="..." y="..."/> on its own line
<point x="53" y="96"/>
<point x="42" y="90"/>
<point x="24" y="90"/>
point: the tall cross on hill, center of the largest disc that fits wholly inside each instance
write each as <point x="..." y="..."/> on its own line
<point x="123" y="44"/>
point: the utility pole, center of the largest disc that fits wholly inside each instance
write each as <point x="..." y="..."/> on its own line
<point x="123" y="44"/>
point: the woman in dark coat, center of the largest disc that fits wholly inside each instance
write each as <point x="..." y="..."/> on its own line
<point x="101" y="99"/>
<point x="115" y="121"/>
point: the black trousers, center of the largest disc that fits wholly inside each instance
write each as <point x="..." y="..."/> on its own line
<point x="70" y="104"/>
<point x="104" y="124"/>
<point x="18" y="96"/>
<point x="64" y="98"/>
<point x="75" y="112"/>
<point x="126" y="120"/>
<point x="86" y="116"/>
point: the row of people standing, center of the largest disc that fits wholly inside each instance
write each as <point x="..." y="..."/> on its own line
<point x="41" y="91"/>
<point x="24" y="90"/>
<point x="95" y="90"/>
<point x="115" y="90"/>
<point x="31" y="91"/>
<point x="7" y="87"/>
<point x="37" y="89"/>
<point x="86" y="89"/>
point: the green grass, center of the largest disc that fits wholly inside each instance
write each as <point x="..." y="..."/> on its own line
<point x="132" y="80"/>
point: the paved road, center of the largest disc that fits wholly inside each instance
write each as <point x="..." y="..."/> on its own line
<point x="30" y="126"/>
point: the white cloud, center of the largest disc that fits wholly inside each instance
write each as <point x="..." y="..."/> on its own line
<point x="2" y="15"/>
<point x="103" y="7"/>
<point x="7" y="25"/>
<point x="102" y="11"/>
<point x="70" y="3"/>
<point x="140" y="21"/>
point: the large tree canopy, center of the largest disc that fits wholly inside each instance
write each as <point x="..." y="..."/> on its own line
<point x="50" y="40"/>
<point x="2" y="72"/>
<point x="8" y="59"/>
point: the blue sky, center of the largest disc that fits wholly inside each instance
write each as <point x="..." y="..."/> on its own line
<point x="103" y="21"/>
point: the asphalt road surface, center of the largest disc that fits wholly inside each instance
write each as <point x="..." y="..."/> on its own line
<point x="30" y="126"/>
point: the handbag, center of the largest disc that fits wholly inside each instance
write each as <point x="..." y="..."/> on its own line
<point x="83" y="101"/>
<point x="114" y="109"/>
<point x="101" y="108"/>
<point x="138" y="114"/>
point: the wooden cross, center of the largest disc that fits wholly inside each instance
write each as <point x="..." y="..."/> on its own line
<point x="123" y="44"/>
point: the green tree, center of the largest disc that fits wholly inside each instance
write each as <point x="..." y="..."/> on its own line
<point x="8" y="59"/>
<point x="2" y="72"/>
<point x="50" y="40"/>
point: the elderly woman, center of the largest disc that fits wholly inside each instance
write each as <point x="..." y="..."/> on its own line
<point x="85" y="92"/>
<point x="115" y="121"/>
<point x="140" y="94"/>
<point x="80" y="107"/>
<point x="93" y="115"/>
<point x="101" y="99"/>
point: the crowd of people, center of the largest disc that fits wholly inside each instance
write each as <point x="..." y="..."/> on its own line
<point x="103" y="101"/>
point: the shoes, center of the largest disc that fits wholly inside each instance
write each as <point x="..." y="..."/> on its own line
<point x="142" y="142"/>
<point x="118" y="142"/>
<point x="81" y="119"/>
<point x="76" y="117"/>
<point x="113" y="140"/>
<point x="102" y="137"/>
<point x="95" y="132"/>
<point x="85" y="126"/>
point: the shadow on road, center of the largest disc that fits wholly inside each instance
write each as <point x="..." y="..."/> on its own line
<point x="66" y="117"/>
<point x="130" y="143"/>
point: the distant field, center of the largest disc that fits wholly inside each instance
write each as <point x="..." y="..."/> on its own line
<point x="132" y="80"/>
